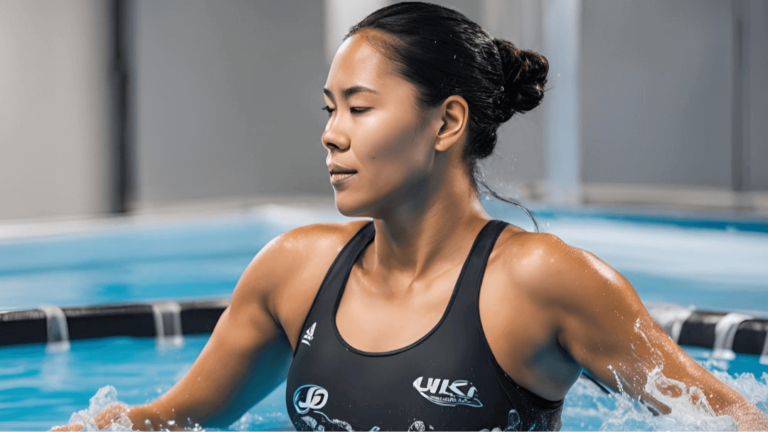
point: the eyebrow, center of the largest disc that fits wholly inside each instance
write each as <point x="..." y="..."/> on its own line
<point x="348" y="92"/>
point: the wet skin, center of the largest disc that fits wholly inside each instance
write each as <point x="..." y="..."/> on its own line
<point x="548" y="309"/>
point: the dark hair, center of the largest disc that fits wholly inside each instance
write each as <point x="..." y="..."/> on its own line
<point x="444" y="53"/>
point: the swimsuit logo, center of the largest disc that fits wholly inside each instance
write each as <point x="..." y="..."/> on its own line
<point x="309" y="397"/>
<point x="446" y="393"/>
<point x="309" y="335"/>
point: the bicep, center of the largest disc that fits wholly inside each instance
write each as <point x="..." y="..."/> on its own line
<point x="234" y="371"/>
<point x="246" y="357"/>
<point x="607" y="330"/>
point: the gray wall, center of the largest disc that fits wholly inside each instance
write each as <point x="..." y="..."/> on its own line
<point x="517" y="164"/>
<point x="656" y="81"/>
<point x="228" y="98"/>
<point x="54" y="108"/>
<point x="657" y="92"/>
<point x="757" y="88"/>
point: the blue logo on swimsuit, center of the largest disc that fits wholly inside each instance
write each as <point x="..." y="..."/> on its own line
<point x="446" y="393"/>
<point x="309" y="397"/>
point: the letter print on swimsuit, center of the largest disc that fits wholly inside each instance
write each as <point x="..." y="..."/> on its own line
<point x="310" y="398"/>
<point x="445" y="392"/>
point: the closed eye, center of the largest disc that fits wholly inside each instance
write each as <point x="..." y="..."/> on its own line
<point x="359" y="110"/>
<point x="329" y="110"/>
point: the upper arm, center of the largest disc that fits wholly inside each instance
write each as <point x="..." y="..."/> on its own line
<point x="604" y="327"/>
<point x="248" y="353"/>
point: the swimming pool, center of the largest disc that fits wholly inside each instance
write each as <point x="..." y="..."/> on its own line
<point x="712" y="264"/>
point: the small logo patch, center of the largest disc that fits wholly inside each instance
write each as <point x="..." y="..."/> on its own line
<point x="309" y="397"/>
<point x="445" y="392"/>
<point x="309" y="335"/>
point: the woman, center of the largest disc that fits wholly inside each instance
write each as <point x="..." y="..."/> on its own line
<point x="431" y="316"/>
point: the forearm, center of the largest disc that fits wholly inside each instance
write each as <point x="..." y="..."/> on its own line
<point x="748" y="417"/>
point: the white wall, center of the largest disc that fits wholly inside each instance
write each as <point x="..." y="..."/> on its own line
<point x="54" y="108"/>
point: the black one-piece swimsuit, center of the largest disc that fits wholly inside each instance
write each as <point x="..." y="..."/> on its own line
<point x="447" y="380"/>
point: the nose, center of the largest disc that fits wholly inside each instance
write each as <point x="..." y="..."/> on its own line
<point x="335" y="137"/>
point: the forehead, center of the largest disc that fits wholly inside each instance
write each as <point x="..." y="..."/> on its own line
<point x="358" y="62"/>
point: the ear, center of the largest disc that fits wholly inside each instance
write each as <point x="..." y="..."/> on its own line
<point x="454" y="113"/>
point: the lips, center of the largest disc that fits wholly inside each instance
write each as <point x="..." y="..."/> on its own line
<point x="340" y="174"/>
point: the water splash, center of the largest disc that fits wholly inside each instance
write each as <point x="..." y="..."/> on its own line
<point x="589" y="408"/>
<point x="104" y="397"/>
<point x="269" y="419"/>
<point x="57" y="330"/>
<point x="168" y="324"/>
<point x="755" y="390"/>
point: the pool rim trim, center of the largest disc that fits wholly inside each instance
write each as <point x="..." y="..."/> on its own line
<point x="136" y="319"/>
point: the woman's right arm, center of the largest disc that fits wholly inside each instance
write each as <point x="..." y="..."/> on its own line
<point x="246" y="357"/>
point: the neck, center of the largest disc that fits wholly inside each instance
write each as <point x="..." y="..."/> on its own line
<point x="428" y="232"/>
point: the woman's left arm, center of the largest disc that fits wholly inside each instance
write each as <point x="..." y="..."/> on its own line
<point x="604" y="326"/>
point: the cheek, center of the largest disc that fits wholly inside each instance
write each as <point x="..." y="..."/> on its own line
<point x="397" y="151"/>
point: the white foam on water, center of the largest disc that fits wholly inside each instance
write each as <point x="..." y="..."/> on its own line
<point x="265" y="420"/>
<point x="104" y="397"/>
<point x="589" y="408"/>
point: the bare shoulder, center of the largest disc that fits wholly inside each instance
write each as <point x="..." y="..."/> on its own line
<point x="285" y="275"/>
<point x="296" y="254"/>
<point x="554" y="273"/>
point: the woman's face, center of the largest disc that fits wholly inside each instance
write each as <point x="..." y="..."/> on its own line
<point x="380" y="144"/>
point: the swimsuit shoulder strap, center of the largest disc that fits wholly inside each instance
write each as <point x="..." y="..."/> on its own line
<point x="465" y="307"/>
<point x="337" y="275"/>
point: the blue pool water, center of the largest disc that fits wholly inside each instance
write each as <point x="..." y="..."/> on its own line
<point x="40" y="389"/>
<point x="709" y="263"/>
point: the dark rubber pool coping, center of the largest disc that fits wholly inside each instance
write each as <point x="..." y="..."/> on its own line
<point x="699" y="330"/>
<point x="200" y="317"/>
<point x="91" y="322"/>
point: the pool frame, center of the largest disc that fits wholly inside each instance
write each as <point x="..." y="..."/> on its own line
<point x="110" y="320"/>
<point x="200" y="317"/>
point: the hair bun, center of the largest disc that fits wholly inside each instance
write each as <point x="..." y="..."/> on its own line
<point x="525" y="75"/>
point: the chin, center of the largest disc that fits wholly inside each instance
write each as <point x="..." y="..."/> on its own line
<point x="348" y="210"/>
<point x="352" y="207"/>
